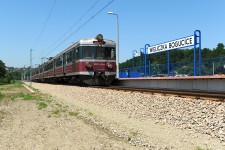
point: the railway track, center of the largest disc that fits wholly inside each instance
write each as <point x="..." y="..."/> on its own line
<point x="195" y="94"/>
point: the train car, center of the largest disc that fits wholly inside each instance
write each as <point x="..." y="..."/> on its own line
<point x="90" y="61"/>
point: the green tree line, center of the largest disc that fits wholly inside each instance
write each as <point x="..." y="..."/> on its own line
<point x="8" y="75"/>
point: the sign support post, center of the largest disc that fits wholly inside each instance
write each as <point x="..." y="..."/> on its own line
<point x="149" y="66"/>
<point x="168" y="63"/>
<point x="146" y="46"/>
<point x="198" y="41"/>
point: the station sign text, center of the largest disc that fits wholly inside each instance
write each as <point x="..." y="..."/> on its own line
<point x="180" y="43"/>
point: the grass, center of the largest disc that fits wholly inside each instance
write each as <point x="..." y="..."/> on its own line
<point x="1" y="115"/>
<point x="90" y="114"/>
<point x="199" y="148"/>
<point x="18" y="89"/>
<point x="23" y="96"/>
<point x="74" y="113"/>
<point x="18" y="84"/>
<point x="134" y="133"/>
<point x="2" y="96"/>
<point x="56" y="112"/>
<point x="58" y="104"/>
<point x="15" y="85"/>
<point x="41" y="105"/>
<point x="42" y="100"/>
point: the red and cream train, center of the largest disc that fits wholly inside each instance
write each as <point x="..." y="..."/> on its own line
<point x="90" y="61"/>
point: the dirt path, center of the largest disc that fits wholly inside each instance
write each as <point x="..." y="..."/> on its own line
<point x="23" y="126"/>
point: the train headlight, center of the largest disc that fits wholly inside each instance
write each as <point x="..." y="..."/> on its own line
<point x="109" y="65"/>
<point x="88" y="65"/>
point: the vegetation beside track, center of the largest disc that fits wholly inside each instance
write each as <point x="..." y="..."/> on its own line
<point x="16" y="91"/>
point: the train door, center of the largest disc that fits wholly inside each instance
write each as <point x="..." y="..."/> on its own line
<point x="54" y="61"/>
<point x="73" y="60"/>
<point x="64" y="63"/>
<point x="76" y="57"/>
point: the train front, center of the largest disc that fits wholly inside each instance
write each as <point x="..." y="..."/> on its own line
<point x="98" y="61"/>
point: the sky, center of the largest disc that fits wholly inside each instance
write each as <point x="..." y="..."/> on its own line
<point x="28" y="24"/>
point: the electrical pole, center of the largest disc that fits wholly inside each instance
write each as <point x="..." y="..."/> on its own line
<point x="24" y="73"/>
<point x="30" y="67"/>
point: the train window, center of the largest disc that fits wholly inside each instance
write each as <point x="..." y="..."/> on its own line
<point x="76" y="53"/>
<point x="88" y="52"/>
<point x="110" y="53"/>
<point x="113" y="56"/>
<point x="99" y="53"/>
<point x="51" y="66"/>
<point x="69" y="57"/>
<point x="59" y="62"/>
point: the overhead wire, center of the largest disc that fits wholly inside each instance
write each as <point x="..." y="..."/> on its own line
<point x="80" y="27"/>
<point x="46" y="21"/>
<point x="74" y="24"/>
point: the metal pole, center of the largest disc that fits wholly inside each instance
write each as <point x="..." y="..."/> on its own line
<point x="133" y="59"/>
<point x="213" y="68"/>
<point x="140" y="59"/>
<point x="24" y="78"/>
<point x="117" y="43"/>
<point x="145" y="50"/>
<point x="22" y="75"/>
<point x="141" y="49"/>
<point x="195" y="42"/>
<point x="145" y="63"/>
<point x="117" y="46"/>
<point x="200" y="53"/>
<point x="149" y="65"/>
<point x="168" y="63"/>
<point x="30" y="67"/>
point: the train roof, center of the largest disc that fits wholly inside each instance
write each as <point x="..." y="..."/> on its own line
<point x="86" y="41"/>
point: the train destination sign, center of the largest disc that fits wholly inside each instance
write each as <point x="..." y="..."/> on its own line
<point x="180" y="43"/>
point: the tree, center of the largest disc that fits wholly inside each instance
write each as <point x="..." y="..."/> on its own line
<point x="220" y="46"/>
<point x="206" y="53"/>
<point x="219" y="51"/>
<point x="2" y="69"/>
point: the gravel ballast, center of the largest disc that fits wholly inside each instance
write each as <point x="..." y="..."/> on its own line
<point x="146" y="120"/>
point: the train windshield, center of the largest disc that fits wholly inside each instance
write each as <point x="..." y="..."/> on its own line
<point x="110" y="53"/>
<point x="105" y="53"/>
<point x="91" y="52"/>
<point x="88" y="52"/>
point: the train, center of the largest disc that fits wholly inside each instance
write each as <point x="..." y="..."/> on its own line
<point x="90" y="61"/>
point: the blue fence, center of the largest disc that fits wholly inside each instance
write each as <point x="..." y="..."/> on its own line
<point x="209" y="67"/>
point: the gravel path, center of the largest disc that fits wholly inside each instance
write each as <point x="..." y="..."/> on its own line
<point x="146" y="120"/>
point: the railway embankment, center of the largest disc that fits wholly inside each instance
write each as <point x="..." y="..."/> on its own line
<point x="146" y="120"/>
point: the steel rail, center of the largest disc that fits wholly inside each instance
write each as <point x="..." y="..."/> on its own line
<point x="196" y="94"/>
